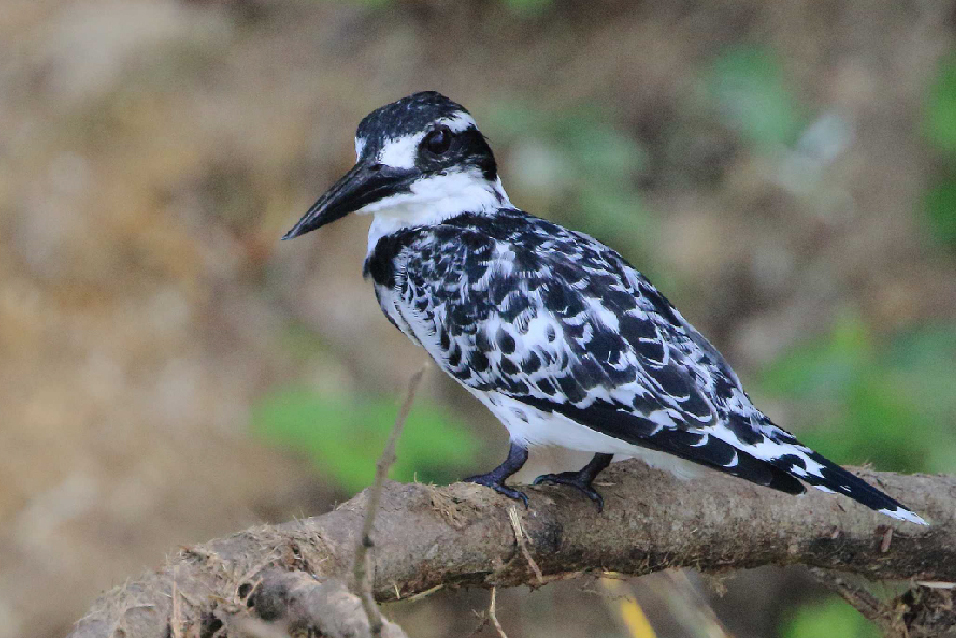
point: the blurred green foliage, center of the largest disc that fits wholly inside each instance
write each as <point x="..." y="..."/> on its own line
<point x="747" y="86"/>
<point x="939" y="124"/>
<point x="344" y="436"/>
<point x="939" y="203"/>
<point x="939" y="128"/>
<point x="891" y="401"/>
<point x="582" y="168"/>
<point x="830" y="618"/>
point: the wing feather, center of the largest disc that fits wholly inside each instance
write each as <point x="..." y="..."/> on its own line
<point x="558" y="321"/>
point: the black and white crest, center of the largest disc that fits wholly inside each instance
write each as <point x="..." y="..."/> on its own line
<point x="562" y="339"/>
<point x="408" y="116"/>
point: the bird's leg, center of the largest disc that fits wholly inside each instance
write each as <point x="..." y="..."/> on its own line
<point x="581" y="480"/>
<point x="495" y="479"/>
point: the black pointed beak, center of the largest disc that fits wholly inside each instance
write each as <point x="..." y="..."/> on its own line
<point x="364" y="184"/>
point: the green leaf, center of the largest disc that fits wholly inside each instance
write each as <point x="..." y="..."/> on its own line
<point x="939" y="204"/>
<point x="747" y="86"/>
<point x="892" y="404"/>
<point x="618" y="218"/>
<point x="599" y="164"/>
<point x="824" y="368"/>
<point x="831" y="618"/>
<point x="939" y="124"/>
<point x="344" y="437"/>
<point x="603" y="153"/>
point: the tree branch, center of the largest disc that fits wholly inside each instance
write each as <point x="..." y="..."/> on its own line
<point x="462" y="535"/>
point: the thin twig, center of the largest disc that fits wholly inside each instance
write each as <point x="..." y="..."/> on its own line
<point x="936" y="584"/>
<point x="522" y="543"/>
<point x="863" y="601"/>
<point x="360" y="566"/>
<point x="887" y="540"/>
<point x="423" y="594"/>
<point x="177" y="619"/>
<point x="494" y="616"/>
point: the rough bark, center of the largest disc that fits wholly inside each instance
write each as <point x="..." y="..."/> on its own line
<point x="324" y="606"/>
<point x="462" y="534"/>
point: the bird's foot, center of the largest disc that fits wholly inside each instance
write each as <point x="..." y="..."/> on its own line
<point x="495" y="482"/>
<point x="578" y="480"/>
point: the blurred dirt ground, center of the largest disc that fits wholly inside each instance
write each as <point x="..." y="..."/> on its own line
<point x="153" y="152"/>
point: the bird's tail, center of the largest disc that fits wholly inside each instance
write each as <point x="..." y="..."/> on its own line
<point x="827" y="476"/>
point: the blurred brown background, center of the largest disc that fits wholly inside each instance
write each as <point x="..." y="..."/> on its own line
<point x="170" y="371"/>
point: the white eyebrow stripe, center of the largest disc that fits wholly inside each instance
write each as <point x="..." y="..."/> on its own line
<point x="459" y="122"/>
<point x="359" y="147"/>
<point x="400" y="152"/>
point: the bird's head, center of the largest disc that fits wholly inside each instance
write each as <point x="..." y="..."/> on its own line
<point x="418" y="160"/>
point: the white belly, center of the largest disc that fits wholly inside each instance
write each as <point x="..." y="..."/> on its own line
<point x="531" y="426"/>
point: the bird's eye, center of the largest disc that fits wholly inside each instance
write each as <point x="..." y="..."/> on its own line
<point x="438" y="141"/>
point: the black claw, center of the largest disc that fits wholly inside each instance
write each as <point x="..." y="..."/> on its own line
<point x="582" y="479"/>
<point x="573" y="479"/>
<point x="489" y="480"/>
<point x="495" y="479"/>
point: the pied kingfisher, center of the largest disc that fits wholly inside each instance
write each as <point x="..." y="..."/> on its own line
<point x="563" y="340"/>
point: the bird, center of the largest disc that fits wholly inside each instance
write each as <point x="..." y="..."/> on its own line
<point x="563" y="340"/>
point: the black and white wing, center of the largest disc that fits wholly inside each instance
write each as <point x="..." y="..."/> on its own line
<point x="525" y="312"/>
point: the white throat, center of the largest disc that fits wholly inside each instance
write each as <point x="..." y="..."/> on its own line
<point x="434" y="199"/>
